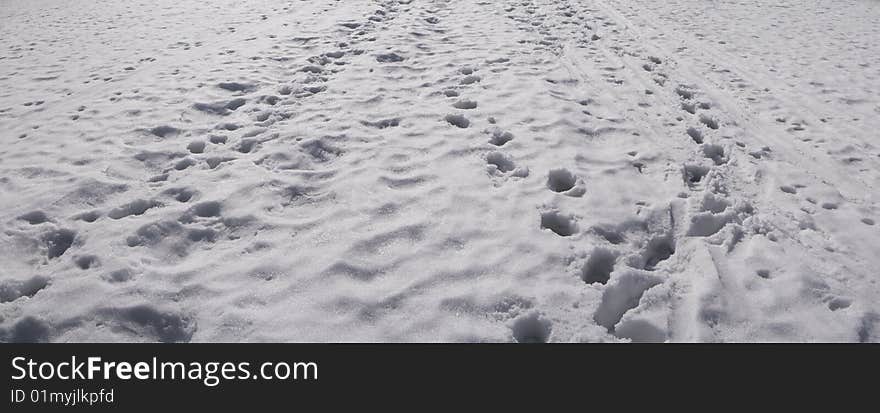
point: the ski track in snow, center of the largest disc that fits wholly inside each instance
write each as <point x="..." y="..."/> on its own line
<point x="421" y="170"/>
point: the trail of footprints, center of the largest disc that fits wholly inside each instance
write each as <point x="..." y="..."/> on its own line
<point x="628" y="260"/>
<point x="602" y="261"/>
<point x="713" y="213"/>
<point x="203" y="221"/>
<point x="199" y="221"/>
<point x="626" y="274"/>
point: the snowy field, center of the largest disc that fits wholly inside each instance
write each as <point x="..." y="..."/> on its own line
<point x="440" y="170"/>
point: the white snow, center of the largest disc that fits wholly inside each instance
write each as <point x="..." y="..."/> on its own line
<point x="529" y="170"/>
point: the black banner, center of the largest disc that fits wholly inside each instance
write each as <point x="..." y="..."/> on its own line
<point x="200" y="376"/>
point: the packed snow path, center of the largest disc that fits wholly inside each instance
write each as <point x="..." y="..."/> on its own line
<point x="439" y="170"/>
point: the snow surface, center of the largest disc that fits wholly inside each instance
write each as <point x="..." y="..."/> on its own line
<point x="530" y="170"/>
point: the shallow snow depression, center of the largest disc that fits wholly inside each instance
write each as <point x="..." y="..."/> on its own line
<point x="527" y="170"/>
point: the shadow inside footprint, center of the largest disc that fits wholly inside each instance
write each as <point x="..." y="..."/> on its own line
<point x="561" y="225"/>
<point x="532" y="328"/>
<point x="560" y="180"/>
<point x="458" y="121"/>
<point x="58" y="242"/>
<point x="599" y="266"/>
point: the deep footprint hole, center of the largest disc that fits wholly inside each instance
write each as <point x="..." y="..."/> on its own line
<point x="599" y="266"/>
<point x="560" y="224"/>
<point x="532" y="328"/>
<point x="58" y="242"/>
<point x="693" y="174"/>
<point x="561" y="180"/>
<point x="85" y="262"/>
<point x="709" y="121"/>
<point x="458" y="121"/>
<point x="499" y="138"/>
<point x="658" y="250"/>
<point x="695" y="135"/>
<point x="500" y="161"/>
<point x="715" y="153"/>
